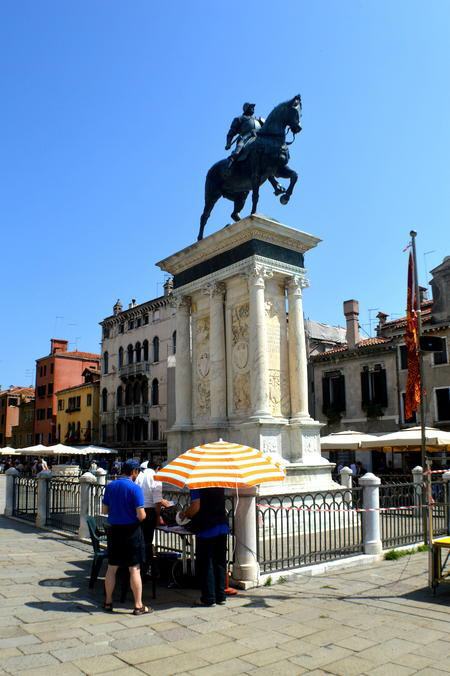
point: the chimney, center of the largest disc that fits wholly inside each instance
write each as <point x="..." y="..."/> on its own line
<point x="168" y="286"/>
<point x="440" y="286"/>
<point x="423" y="294"/>
<point x="132" y="304"/>
<point x="351" y="312"/>
<point x="117" y="308"/>
<point x="58" y="345"/>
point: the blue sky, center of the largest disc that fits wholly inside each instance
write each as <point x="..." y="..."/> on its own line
<point x="112" y="112"/>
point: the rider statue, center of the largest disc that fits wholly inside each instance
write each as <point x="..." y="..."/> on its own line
<point x="244" y="128"/>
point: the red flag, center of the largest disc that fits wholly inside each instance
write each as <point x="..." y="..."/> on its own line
<point x="412" y="398"/>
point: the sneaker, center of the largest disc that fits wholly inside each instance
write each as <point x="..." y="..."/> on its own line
<point x="221" y="603"/>
<point x="204" y="604"/>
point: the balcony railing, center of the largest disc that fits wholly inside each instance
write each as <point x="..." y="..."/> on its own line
<point x="132" y="411"/>
<point x="140" y="368"/>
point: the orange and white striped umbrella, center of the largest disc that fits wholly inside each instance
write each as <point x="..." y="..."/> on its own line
<point x="220" y="465"/>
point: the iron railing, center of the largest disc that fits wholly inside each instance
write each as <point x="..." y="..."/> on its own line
<point x="95" y="504"/>
<point x="63" y="504"/>
<point x="25" y="498"/>
<point x="301" y="529"/>
<point x="403" y="512"/>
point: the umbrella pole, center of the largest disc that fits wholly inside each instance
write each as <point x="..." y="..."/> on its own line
<point x="426" y="464"/>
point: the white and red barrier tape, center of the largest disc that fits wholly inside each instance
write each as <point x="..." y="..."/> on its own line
<point x="350" y="509"/>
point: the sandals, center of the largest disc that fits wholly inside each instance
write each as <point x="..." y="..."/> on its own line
<point x="108" y="607"/>
<point x="143" y="610"/>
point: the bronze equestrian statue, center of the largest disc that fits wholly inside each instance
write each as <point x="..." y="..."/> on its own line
<point x="263" y="154"/>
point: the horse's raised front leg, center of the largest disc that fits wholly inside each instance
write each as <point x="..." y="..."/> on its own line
<point x="287" y="172"/>
<point x="277" y="188"/>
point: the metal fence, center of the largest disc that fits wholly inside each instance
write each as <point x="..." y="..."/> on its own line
<point x="63" y="504"/>
<point x="403" y="512"/>
<point x="25" y="498"/>
<point x="95" y="504"/>
<point x="301" y="529"/>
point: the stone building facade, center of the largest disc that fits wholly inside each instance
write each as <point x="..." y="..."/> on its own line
<point x="10" y="402"/>
<point x="361" y="385"/>
<point x="138" y="348"/>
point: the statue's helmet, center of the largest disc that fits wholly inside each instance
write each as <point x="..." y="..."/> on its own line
<point x="248" y="107"/>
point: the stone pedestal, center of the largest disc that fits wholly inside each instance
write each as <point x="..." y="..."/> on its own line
<point x="241" y="362"/>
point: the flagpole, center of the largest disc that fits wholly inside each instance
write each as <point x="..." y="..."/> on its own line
<point x="426" y="465"/>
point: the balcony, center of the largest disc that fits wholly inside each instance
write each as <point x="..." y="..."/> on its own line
<point x="133" y="411"/>
<point x="136" y="370"/>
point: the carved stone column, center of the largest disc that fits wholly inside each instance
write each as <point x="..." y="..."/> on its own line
<point x="298" y="362"/>
<point x="259" y="375"/>
<point x="183" y="371"/>
<point x="217" y="372"/>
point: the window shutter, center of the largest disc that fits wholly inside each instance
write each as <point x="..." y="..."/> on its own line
<point x="340" y="392"/>
<point x="365" y="392"/>
<point x="325" y="394"/>
<point x="380" y="388"/>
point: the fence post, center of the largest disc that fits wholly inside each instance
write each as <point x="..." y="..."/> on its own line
<point x="42" y="497"/>
<point x="245" y="566"/>
<point x="86" y="481"/>
<point x="11" y="474"/>
<point x="417" y="473"/>
<point x="371" y="500"/>
<point x="346" y="475"/>
<point x="101" y="473"/>
<point x="446" y="478"/>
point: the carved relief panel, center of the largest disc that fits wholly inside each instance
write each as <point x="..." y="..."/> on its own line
<point x="240" y="357"/>
<point x="202" y="392"/>
<point x="277" y="354"/>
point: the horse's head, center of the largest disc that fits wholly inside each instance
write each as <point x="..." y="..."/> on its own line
<point x="294" y="111"/>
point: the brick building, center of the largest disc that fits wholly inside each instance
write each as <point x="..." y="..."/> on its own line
<point x="58" y="370"/>
<point x="10" y="403"/>
<point x="22" y="433"/>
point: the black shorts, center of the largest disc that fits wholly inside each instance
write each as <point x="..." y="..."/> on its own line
<point x="126" y="545"/>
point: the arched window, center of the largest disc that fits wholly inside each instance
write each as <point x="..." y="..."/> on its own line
<point x="119" y="430"/>
<point x="137" y="429"/>
<point x="78" y="434"/>
<point x="130" y="354"/>
<point x="88" y="432"/>
<point x="128" y="394"/>
<point x="174" y="342"/>
<point x="145" y="391"/>
<point x="137" y="393"/>
<point x="144" y="430"/>
<point x="120" y="356"/>
<point x="105" y="362"/>
<point x="119" y="396"/>
<point x="145" y="350"/>
<point x="104" y="400"/>
<point x="155" y="392"/>
<point x="138" y="352"/>
<point x="156" y="348"/>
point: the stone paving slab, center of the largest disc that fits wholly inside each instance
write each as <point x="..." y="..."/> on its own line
<point x="374" y="620"/>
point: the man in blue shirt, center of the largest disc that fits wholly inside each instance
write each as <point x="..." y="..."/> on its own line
<point x="123" y="502"/>
<point x="210" y="524"/>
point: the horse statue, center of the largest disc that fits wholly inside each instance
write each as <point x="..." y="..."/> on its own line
<point x="266" y="156"/>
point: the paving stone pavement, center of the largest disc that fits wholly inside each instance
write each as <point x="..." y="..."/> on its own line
<point x="372" y="620"/>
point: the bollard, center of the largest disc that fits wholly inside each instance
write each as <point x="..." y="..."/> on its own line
<point x="11" y="474"/>
<point x="245" y="566"/>
<point x="371" y="500"/>
<point x="42" y="497"/>
<point x="446" y="478"/>
<point x="417" y="473"/>
<point x="101" y="473"/>
<point x="87" y="480"/>
<point x="346" y="476"/>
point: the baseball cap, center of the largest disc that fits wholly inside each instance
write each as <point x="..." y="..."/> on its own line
<point x="130" y="465"/>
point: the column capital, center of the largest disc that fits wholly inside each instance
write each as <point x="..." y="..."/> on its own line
<point x="256" y="273"/>
<point x="181" y="303"/>
<point x="215" y="290"/>
<point x="296" y="283"/>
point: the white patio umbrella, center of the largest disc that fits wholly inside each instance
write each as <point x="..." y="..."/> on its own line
<point x="61" y="449"/>
<point x="7" y="450"/>
<point x="348" y="440"/>
<point x="33" y="450"/>
<point x="410" y="440"/>
<point x="98" y="450"/>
